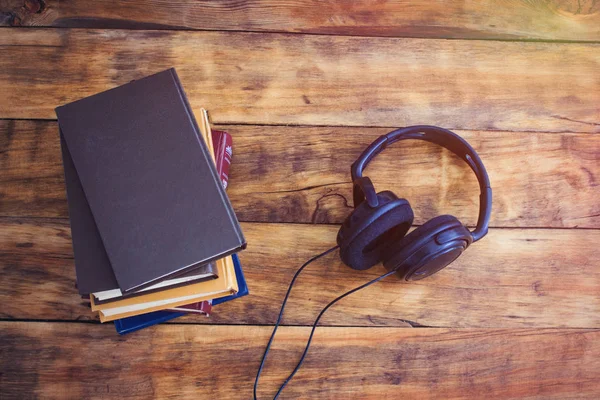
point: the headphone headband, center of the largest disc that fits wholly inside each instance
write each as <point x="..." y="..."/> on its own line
<point x="440" y="136"/>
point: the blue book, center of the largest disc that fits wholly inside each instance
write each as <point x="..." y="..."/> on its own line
<point x="132" y="324"/>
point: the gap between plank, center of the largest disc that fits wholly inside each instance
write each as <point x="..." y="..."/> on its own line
<point x="91" y="322"/>
<point x="225" y="123"/>
<point x="280" y="32"/>
<point x="65" y="219"/>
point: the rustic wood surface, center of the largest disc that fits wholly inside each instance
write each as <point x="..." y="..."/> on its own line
<point x="166" y="362"/>
<point x="470" y="19"/>
<point x="514" y="278"/>
<point x="303" y="86"/>
<point x="315" y="80"/>
<point x="291" y="174"/>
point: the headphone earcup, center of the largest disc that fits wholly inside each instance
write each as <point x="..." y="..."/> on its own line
<point x="367" y="231"/>
<point x="428" y="249"/>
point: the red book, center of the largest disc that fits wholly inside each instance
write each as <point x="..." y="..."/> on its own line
<point x="203" y="307"/>
<point x="222" y="143"/>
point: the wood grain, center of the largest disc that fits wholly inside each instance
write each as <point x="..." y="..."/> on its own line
<point x="220" y="362"/>
<point x="513" y="278"/>
<point x="301" y="174"/>
<point x="528" y="100"/>
<point x="470" y="19"/>
<point x="255" y="78"/>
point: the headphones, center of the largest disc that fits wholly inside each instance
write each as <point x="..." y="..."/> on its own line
<point x="376" y="230"/>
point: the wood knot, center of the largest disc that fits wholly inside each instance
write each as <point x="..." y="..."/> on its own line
<point x="9" y="19"/>
<point x="34" y="6"/>
<point x="582" y="7"/>
<point x="537" y="288"/>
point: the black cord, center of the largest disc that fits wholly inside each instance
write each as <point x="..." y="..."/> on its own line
<point x="314" y="326"/>
<point x="262" y="362"/>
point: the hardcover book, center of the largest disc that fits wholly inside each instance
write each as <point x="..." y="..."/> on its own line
<point x="152" y="188"/>
<point x="221" y="143"/>
<point x="201" y="274"/>
<point x="93" y="270"/>
<point x="132" y="324"/>
<point x="140" y="306"/>
<point x="224" y="285"/>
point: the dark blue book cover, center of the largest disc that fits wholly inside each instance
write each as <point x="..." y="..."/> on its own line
<point x="132" y="324"/>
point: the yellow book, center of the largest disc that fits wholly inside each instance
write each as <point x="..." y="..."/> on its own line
<point x="206" y="131"/>
<point x="224" y="285"/>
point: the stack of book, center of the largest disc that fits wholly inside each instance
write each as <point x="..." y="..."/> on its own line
<point x="154" y="234"/>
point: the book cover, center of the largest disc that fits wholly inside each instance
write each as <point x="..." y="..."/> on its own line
<point x="136" y="152"/>
<point x="218" y="146"/>
<point x="92" y="266"/>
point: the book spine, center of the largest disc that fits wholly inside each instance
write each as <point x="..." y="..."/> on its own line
<point x="223" y="152"/>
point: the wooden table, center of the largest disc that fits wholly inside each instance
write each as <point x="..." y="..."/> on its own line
<point x="303" y="87"/>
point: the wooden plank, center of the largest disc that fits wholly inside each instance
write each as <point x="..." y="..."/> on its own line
<point x="301" y="174"/>
<point x="221" y="362"/>
<point x="255" y="78"/>
<point x="512" y="278"/>
<point x="32" y="172"/>
<point x="470" y="19"/>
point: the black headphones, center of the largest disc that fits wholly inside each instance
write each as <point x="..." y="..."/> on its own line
<point x="375" y="231"/>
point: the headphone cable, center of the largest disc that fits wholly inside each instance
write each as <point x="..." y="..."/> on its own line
<point x="314" y="326"/>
